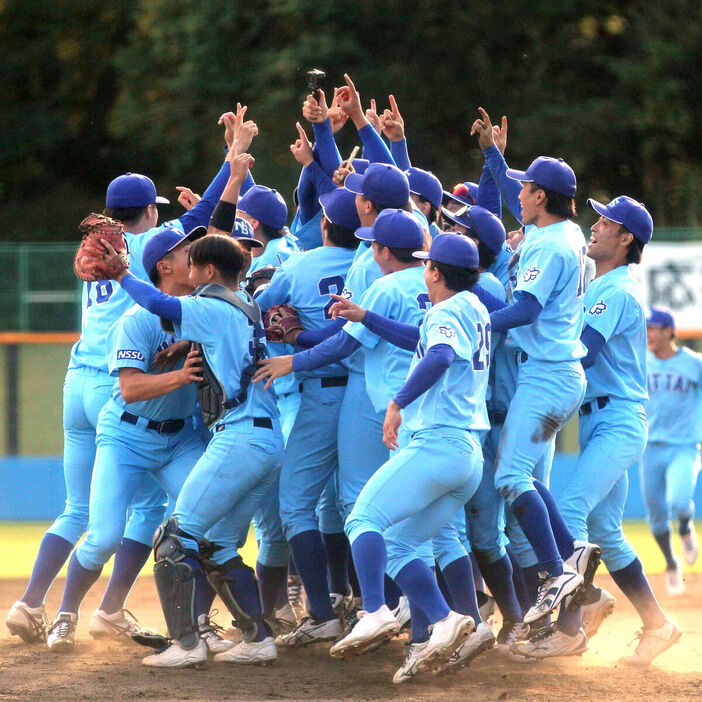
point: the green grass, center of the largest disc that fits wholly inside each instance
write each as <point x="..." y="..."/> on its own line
<point x="19" y="542"/>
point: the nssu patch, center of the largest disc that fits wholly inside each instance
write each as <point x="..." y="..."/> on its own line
<point x="447" y="332"/>
<point x="129" y="355"/>
<point x="531" y="274"/>
<point x="598" y="308"/>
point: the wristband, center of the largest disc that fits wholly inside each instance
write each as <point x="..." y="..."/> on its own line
<point x="223" y="216"/>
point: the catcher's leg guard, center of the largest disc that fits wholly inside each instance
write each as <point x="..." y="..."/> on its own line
<point x="223" y="579"/>
<point x="175" y="582"/>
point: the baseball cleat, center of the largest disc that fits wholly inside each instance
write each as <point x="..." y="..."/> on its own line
<point x="689" y="545"/>
<point x="674" y="583"/>
<point x="585" y="560"/>
<point x="409" y="668"/>
<point x="250" y="653"/>
<point x="211" y="636"/>
<point x="61" y="636"/>
<point x="402" y="612"/>
<point x="479" y="641"/>
<point x="372" y="628"/>
<point x="297" y="597"/>
<point x="115" y="626"/>
<point x="509" y="634"/>
<point x="550" y="642"/>
<point x="29" y="623"/>
<point x="652" y="642"/>
<point x="310" y="631"/>
<point x="446" y="636"/>
<point x="487" y="609"/>
<point x="552" y="591"/>
<point x="595" y="612"/>
<point x="283" y="620"/>
<point x="342" y="605"/>
<point x="175" y="656"/>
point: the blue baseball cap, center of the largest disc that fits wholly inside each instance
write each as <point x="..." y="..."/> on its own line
<point x="243" y="232"/>
<point x="266" y="205"/>
<point x="463" y="193"/>
<point x="360" y="165"/>
<point x="660" y="317"/>
<point x="629" y="213"/>
<point x="550" y="173"/>
<point x="394" y="228"/>
<point x="486" y="226"/>
<point x="164" y="241"/>
<point x="426" y="185"/>
<point x="339" y="206"/>
<point x="453" y="250"/>
<point x="382" y="183"/>
<point x="133" y="190"/>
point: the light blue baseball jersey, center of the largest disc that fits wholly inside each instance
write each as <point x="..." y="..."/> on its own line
<point x="457" y="399"/>
<point x="614" y="308"/>
<point x="103" y="303"/>
<point x="226" y="336"/>
<point x="133" y="342"/>
<point x="500" y="267"/>
<point x="489" y="282"/>
<point x="675" y="398"/>
<point x="552" y="268"/>
<point x="401" y="296"/>
<point x="363" y="273"/>
<point x="304" y="281"/>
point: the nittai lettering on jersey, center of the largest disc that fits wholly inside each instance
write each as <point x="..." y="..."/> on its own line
<point x="668" y="382"/>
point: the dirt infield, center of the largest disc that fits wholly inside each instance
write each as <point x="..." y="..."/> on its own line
<point x="111" y="671"/>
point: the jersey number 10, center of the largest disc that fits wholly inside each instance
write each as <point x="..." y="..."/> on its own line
<point x="103" y="292"/>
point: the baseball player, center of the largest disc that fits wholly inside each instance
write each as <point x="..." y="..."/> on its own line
<point x="426" y="193"/>
<point x="452" y="350"/>
<point x="144" y="429"/>
<point x="131" y="199"/>
<point x="671" y="462"/>
<point x="592" y="503"/>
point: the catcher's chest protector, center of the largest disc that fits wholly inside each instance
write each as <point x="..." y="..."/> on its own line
<point x="211" y="394"/>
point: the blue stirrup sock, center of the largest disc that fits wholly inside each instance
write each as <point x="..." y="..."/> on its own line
<point x="78" y="581"/>
<point x="418" y="582"/>
<point x="532" y="515"/>
<point x="130" y="558"/>
<point x="561" y="532"/>
<point x="53" y="553"/>
<point x="633" y="583"/>
<point x="459" y="579"/>
<point x="310" y="557"/>
<point x="370" y="558"/>
<point x="498" y="577"/>
<point x="338" y="548"/>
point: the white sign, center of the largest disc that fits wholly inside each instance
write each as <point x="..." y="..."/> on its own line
<point x="671" y="275"/>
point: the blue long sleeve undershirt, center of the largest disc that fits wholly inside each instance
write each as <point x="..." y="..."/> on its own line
<point x="152" y="299"/>
<point x="594" y="342"/>
<point x="488" y="193"/>
<point x="524" y="311"/>
<point x="374" y="148"/>
<point x="437" y="359"/>
<point x="508" y="188"/>
<point x="406" y="336"/>
<point x="311" y="337"/>
<point x="327" y="150"/>
<point x="399" y="152"/>
<point x="308" y="203"/>
<point x="332" y="350"/>
<point x="201" y="213"/>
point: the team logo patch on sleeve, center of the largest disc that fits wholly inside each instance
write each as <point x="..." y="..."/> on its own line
<point x="531" y="274"/>
<point x="447" y="332"/>
<point x="129" y="355"/>
<point x="598" y="308"/>
<point x="346" y="294"/>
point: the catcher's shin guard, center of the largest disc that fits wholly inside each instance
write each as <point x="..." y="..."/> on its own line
<point x="175" y="582"/>
<point x="219" y="577"/>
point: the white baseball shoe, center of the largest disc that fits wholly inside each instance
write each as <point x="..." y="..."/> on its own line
<point x="342" y="605"/>
<point x="652" y="642"/>
<point x="487" y="609"/>
<point x="408" y="669"/>
<point x="509" y="634"/>
<point x="61" y="636"/>
<point x="310" y="631"/>
<point x="372" y="628"/>
<point x="552" y="591"/>
<point x="551" y="642"/>
<point x="175" y="656"/>
<point x="29" y="623"/>
<point x="250" y="653"/>
<point x="479" y="641"/>
<point x="674" y="583"/>
<point x="594" y="613"/>
<point x="689" y="545"/>
<point x="402" y="612"/>
<point x="297" y="597"/>
<point x="116" y="626"/>
<point x="283" y="620"/>
<point x="210" y="634"/>
<point x="446" y="636"/>
<point x="585" y="560"/>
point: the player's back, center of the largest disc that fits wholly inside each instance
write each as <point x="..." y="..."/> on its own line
<point x="674" y="408"/>
<point x="102" y="304"/>
<point x="614" y="308"/>
<point x="457" y="399"/>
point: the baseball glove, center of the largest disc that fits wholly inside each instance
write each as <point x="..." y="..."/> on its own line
<point x="258" y="279"/>
<point x="92" y="261"/>
<point x="280" y="321"/>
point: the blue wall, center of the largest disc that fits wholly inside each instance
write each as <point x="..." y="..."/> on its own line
<point x="32" y="488"/>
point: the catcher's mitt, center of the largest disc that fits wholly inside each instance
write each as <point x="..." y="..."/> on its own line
<point x="259" y="279"/>
<point x="280" y="321"/>
<point x="92" y="262"/>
